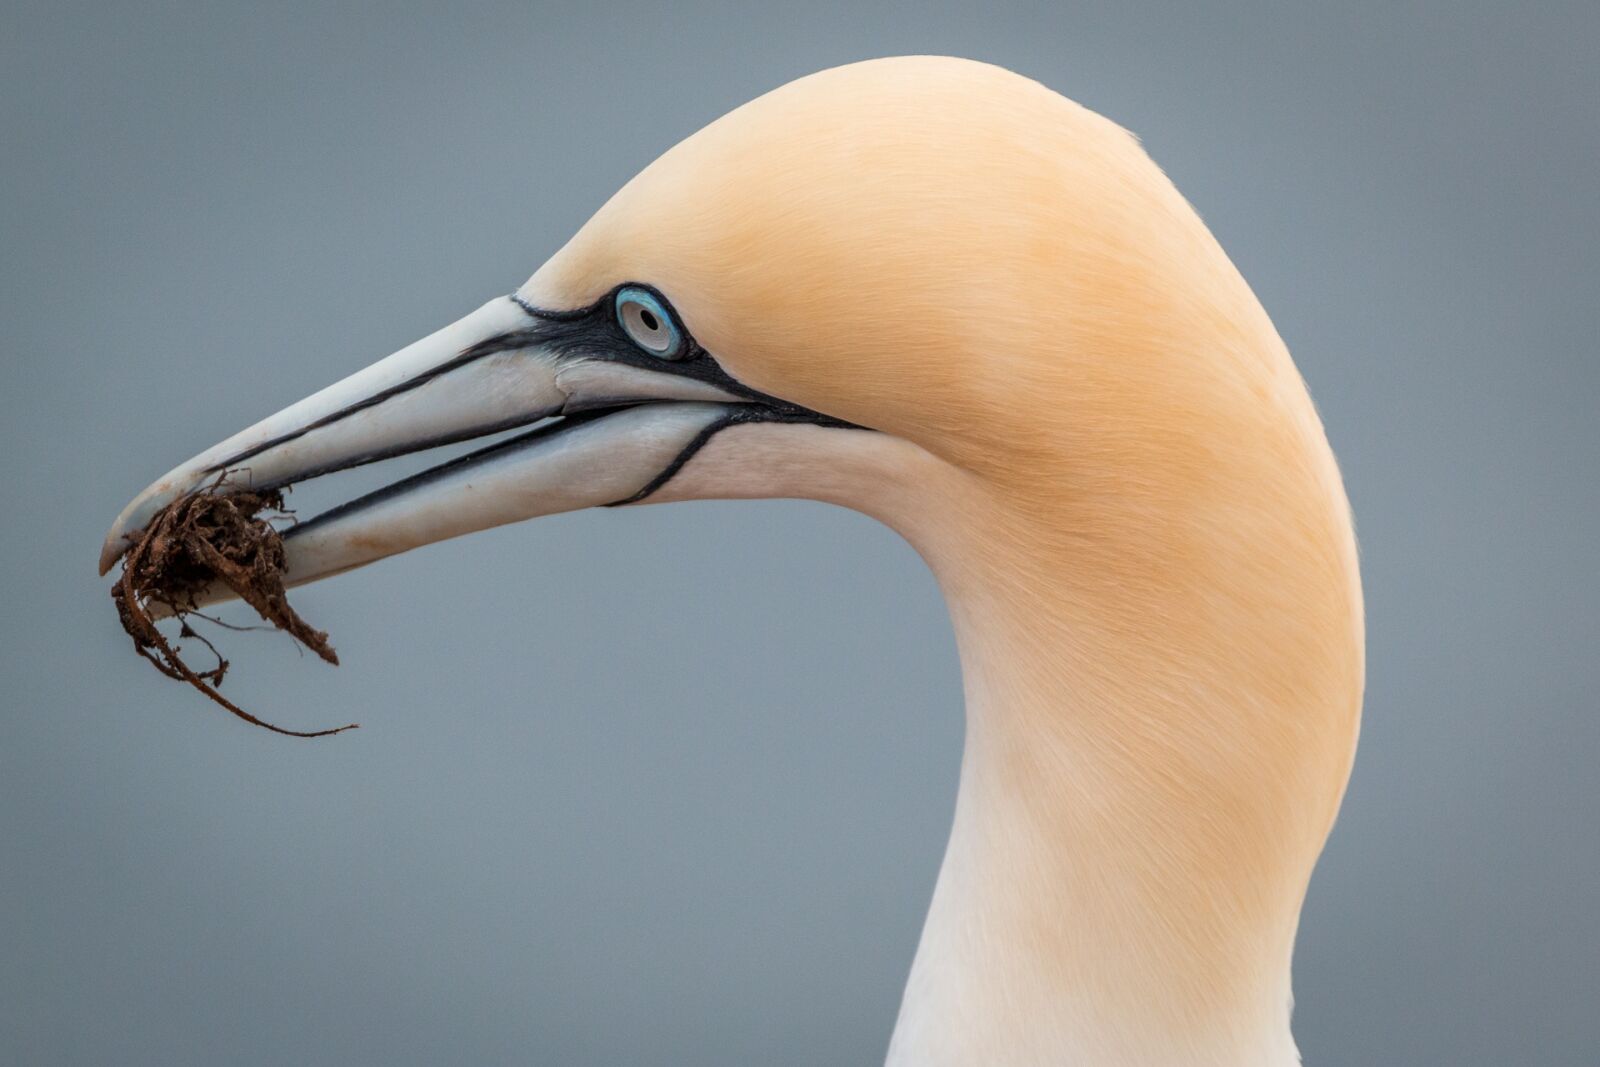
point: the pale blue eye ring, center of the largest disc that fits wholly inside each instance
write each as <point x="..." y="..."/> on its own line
<point x="648" y="323"/>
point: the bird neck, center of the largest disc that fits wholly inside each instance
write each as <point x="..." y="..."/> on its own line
<point x="1069" y="923"/>
<point x="1144" y="790"/>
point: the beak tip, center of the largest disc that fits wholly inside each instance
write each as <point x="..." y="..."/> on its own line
<point x="110" y="552"/>
<point x="118" y="538"/>
<point x="133" y="519"/>
<point x="141" y="509"/>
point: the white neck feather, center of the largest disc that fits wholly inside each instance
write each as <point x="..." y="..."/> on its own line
<point x="1052" y="938"/>
<point x="1136" y="823"/>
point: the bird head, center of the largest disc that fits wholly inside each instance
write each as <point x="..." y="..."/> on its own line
<point x="927" y="288"/>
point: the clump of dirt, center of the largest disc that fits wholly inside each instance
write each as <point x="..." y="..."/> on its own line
<point x="203" y="537"/>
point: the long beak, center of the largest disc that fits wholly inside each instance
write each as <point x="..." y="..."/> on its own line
<point x="625" y="428"/>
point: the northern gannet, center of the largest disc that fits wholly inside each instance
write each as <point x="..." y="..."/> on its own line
<point x="946" y="296"/>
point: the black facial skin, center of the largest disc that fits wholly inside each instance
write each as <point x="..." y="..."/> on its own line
<point x="594" y="333"/>
<point x="591" y="333"/>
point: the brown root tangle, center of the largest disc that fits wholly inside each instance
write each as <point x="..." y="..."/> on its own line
<point x="202" y="537"/>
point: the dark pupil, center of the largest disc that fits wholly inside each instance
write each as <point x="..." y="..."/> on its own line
<point x="649" y="319"/>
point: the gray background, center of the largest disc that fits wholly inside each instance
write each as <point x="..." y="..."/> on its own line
<point x="670" y="786"/>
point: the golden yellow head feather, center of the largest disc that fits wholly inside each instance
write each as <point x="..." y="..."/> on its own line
<point x="1137" y="510"/>
<point x="960" y="257"/>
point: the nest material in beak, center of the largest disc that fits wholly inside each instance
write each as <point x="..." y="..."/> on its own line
<point x="208" y="536"/>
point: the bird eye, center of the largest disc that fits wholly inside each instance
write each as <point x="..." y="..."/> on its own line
<point x="648" y="324"/>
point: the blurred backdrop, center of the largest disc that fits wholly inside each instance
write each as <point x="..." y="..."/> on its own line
<point x="670" y="785"/>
